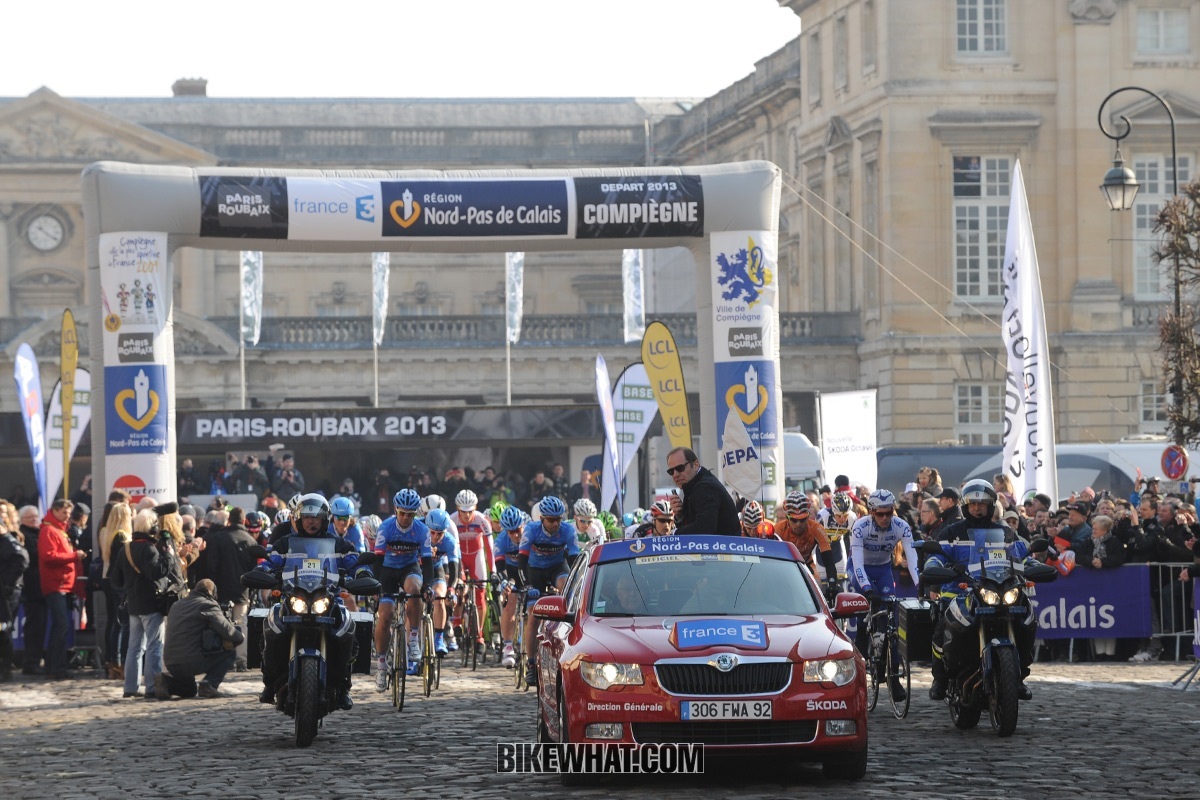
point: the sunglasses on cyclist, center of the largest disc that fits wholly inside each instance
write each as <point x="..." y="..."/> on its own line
<point x="408" y="514"/>
<point x="883" y="512"/>
<point x="666" y="520"/>
<point x="678" y="468"/>
<point x="551" y="519"/>
<point x="342" y="519"/>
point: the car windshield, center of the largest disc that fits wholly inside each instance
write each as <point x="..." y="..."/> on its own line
<point x="712" y="585"/>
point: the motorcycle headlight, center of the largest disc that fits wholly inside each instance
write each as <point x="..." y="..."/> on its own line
<point x="605" y="674"/>
<point x="838" y="671"/>
<point x="321" y="605"/>
<point x="1012" y="596"/>
<point x="989" y="597"/>
<point x="298" y="604"/>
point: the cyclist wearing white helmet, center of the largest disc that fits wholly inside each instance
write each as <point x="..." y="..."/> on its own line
<point x="475" y="539"/>
<point x="586" y="524"/>
<point x="287" y="525"/>
<point x="751" y="517"/>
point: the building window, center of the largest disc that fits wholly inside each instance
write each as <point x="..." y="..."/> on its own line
<point x="979" y="413"/>
<point x="1154" y="404"/>
<point x="337" y="310"/>
<point x="869" y="34"/>
<point x="841" y="53"/>
<point x="814" y="69"/>
<point x="595" y="307"/>
<point x="982" y="27"/>
<point x="1162" y="31"/>
<point x="981" y="186"/>
<point x="418" y="310"/>
<point x="1151" y="280"/>
<point x="870" y="230"/>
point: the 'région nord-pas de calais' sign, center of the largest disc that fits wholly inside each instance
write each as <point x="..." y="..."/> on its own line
<point x="391" y="426"/>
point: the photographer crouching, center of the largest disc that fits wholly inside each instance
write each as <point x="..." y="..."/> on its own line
<point x="201" y="640"/>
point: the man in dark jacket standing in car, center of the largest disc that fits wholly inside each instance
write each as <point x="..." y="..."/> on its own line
<point x="706" y="507"/>
<point x="226" y="555"/>
<point x="200" y="641"/>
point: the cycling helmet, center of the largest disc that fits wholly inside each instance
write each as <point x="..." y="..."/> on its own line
<point x="496" y="512"/>
<point x="629" y="518"/>
<point x="585" y="508"/>
<point x="551" y="506"/>
<point x="798" y="503"/>
<point x="841" y="503"/>
<point x="342" y="507"/>
<point x="661" y="508"/>
<point x="609" y="521"/>
<point x="752" y="514"/>
<point x="430" y="502"/>
<point x="294" y="503"/>
<point x="438" y="520"/>
<point x="466" y="500"/>
<point x="314" y="505"/>
<point x="282" y="516"/>
<point x="255" y="521"/>
<point x="407" y="500"/>
<point x="881" y="498"/>
<point x="369" y="526"/>
<point x="978" y="490"/>
<point x="512" y="518"/>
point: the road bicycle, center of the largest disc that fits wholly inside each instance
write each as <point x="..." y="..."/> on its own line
<point x="472" y="632"/>
<point x="886" y="663"/>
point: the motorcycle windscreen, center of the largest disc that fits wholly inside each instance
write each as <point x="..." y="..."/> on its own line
<point x="989" y="553"/>
<point x="311" y="561"/>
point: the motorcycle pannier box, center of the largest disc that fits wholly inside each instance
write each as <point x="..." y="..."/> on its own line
<point x="916" y="630"/>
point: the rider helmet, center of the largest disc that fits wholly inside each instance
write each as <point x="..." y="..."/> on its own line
<point x="437" y="521"/>
<point x="407" y="500"/>
<point x="369" y="526"/>
<point x="585" y="508"/>
<point x="512" y="519"/>
<point x="881" y="498"/>
<point x="752" y="514"/>
<point x="314" y="505"/>
<point x="294" y="503"/>
<point x="841" y="503"/>
<point x="629" y="518"/>
<point x="661" y="508"/>
<point x="497" y="511"/>
<point x="466" y="500"/>
<point x="798" y="503"/>
<point x="430" y="502"/>
<point x="342" y="507"/>
<point x="551" y="506"/>
<point x="612" y="527"/>
<point x="282" y="515"/>
<point x="979" y="491"/>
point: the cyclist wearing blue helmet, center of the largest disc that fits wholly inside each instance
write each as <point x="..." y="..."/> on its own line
<point x="548" y="548"/>
<point x="344" y="524"/>
<point x="447" y="558"/>
<point x="403" y="542"/>
<point x="507" y="551"/>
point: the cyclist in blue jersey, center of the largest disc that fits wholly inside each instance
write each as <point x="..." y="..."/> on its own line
<point x="345" y="525"/>
<point x="407" y="565"/>
<point x="447" y="560"/>
<point x="873" y="539"/>
<point x="506" y="551"/>
<point x="546" y="554"/>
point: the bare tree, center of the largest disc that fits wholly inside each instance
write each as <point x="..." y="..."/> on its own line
<point x="1178" y="223"/>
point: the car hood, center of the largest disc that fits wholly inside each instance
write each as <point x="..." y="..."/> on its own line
<point x="644" y="640"/>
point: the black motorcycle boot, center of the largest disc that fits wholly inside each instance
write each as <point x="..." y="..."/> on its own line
<point x="937" y="690"/>
<point x="343" y="700"/>
<point x="267" y="695"/>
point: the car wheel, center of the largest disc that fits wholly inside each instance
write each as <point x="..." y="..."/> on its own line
<point x="852" y="767"/>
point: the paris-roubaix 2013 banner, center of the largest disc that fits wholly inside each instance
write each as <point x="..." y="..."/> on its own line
<point x="139" y="373"/>
<point x="746" y="354"/>
<point x="353" y="209"/>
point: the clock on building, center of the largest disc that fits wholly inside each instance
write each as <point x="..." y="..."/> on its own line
<point x="45" y="232"/>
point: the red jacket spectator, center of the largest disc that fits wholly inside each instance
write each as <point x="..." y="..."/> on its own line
<point x="56" y="556"/>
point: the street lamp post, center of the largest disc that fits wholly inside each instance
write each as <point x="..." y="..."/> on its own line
<point x="1120" y="187"/>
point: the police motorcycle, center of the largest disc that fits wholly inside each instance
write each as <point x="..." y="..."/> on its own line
<point x="985" y="669"/>
<point x="309" y="584"/>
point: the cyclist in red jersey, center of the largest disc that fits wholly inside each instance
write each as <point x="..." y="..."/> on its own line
<point x="475" y="539"/>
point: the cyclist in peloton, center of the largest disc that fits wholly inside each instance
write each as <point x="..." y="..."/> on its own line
<point x="586" y="524"/>
<point x="547" y="552"/>
<point x="872" y="542"/>
<point x="799" y="528"/>
<point x="446" y="562"/>
<point x="407" y="565"/>
<point x="475" y="539"/>
<point x="506" y="552"/>
<point x="661" y="522"/>
<point x="289" y="524"/>
<point x="345" y="525"/>
<point x="751" y="517"/>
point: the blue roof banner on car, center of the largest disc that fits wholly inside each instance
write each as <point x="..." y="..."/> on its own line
<point x="664" y="545"/>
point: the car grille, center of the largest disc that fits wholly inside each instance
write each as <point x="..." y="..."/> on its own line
<point x="727" y="733"/>
<point x="701" y="679"/>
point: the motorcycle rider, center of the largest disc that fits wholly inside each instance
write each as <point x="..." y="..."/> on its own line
<point x="960" y="542"/>
<point x="312" y="521"/>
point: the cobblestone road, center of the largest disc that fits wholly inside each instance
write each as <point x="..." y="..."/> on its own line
<point x="1102" y="730"/>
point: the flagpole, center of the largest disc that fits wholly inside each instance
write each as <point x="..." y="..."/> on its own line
<point x="375" y="348"/>
<point x="508" y="371"/>
<point x="242" y="348"/>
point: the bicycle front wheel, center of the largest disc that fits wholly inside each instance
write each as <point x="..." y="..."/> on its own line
<point x="428" y="656"/>
<point x="396" y="667"/>
<point x="899" y="676"/>
<point x="471" y="629"/>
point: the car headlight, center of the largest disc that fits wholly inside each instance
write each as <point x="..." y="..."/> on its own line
<point x="1012" y="595"/>
<point x="838" y="671"/>
<point x="605" y="674"/>
<point x="298" y="604"/>
<point x="321" y="605"/>
<point x="989" y="597"/>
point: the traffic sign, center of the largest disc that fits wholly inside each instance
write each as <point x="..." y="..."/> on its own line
<point x="1175" y="462"/>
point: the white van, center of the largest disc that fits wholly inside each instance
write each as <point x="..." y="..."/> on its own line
<point x="802" y="465"/>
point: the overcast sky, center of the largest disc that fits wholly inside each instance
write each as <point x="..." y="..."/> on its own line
<point x="402" y="48"/>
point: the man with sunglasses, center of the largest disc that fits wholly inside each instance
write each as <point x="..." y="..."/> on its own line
<point x="873" y="539"/>
<point x="661" y="522"/>
<point x="706" y="506"/>
<point x="344" y="524"/>
<point x="506" y="554"/>
<point x="447" y="556"/>
<point x="403" y="542"/>
<point x="546" y="554"/>
<point x="799" y="528"/>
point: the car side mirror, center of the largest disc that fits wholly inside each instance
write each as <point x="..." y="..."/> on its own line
<point x="850" y="604"/>
<point x="553" y="608"/>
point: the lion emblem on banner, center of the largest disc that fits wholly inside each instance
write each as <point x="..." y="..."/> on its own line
<point x="745" y="274"/>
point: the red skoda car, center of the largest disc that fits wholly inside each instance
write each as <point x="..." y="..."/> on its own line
<point x="719" y="640"/>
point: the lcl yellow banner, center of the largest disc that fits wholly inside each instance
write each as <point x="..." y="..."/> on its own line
<point x="68" y="360"/>
<point x="661" y="358"/>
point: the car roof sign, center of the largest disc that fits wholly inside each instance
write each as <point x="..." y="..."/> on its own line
<point x="664" y="545"/>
